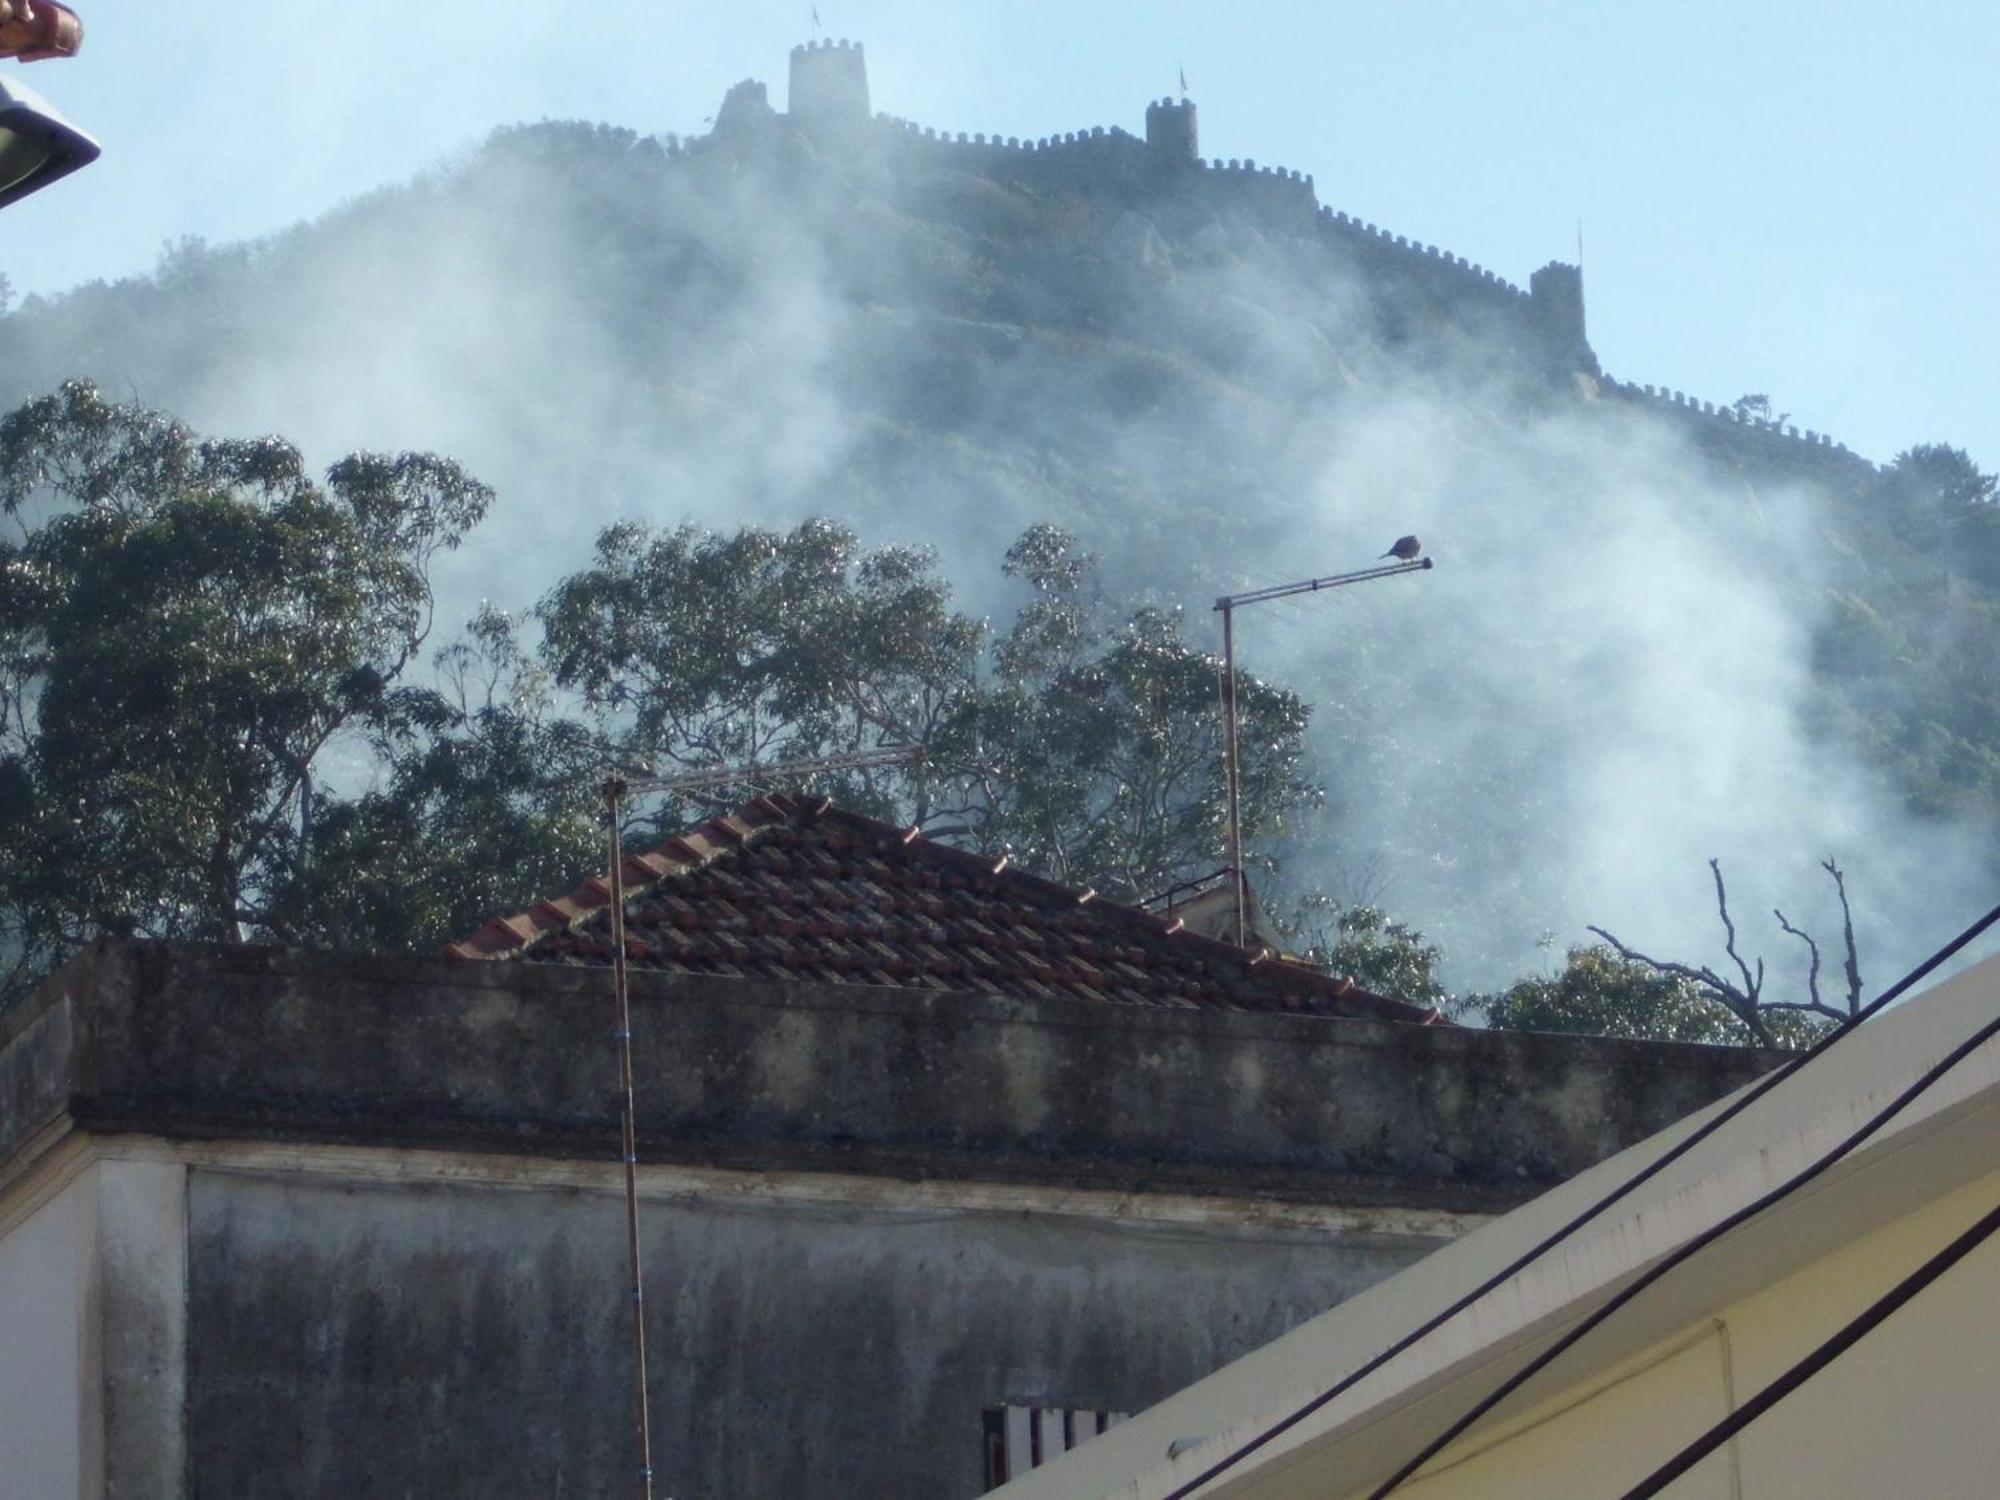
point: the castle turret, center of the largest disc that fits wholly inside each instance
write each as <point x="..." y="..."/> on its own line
<point x="1556" y="293"/>
<point x="745" y="113"/>
<point x="829" y="85"/>
<point x="1171" y="134"/>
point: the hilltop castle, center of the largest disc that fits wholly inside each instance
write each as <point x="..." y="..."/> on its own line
<point x="829" y="101"/>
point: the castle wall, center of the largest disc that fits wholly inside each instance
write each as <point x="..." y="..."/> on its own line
<point x="1726" y="424"/>
<point x="1102" y="159"/>
<point x="1545" y="321"/>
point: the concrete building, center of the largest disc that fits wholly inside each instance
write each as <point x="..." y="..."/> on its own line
<point x="942" y="1167"/>
<point x="1905" y="1410"/>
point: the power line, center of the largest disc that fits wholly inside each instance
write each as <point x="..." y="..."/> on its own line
<point x="1535" y="1252"/>
<point x="1871" y="1317"/>
<point x="1686" y="1252"/>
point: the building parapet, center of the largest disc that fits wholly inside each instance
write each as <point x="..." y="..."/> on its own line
<point x="229" y="1043"/>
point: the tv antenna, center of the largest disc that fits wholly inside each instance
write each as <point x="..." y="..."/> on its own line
<point x="1228" y="604"/>
<point x="616" y="787"/>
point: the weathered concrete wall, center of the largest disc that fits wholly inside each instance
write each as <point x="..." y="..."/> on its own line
<point x="42" y="1415"/>
<point x="39" y="1055"/>
<point x="140" y="1342"/>
<point x="236" y="1042"/>
<point x="410" y="1338"/>
<point x="92" y="1353"/>
<point x="364" y="1238"/>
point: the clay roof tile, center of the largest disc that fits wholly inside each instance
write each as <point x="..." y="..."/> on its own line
<point x="786" y="888"/>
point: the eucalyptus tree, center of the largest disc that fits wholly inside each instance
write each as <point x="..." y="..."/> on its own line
<point x="1081" y="741"/>
<point x="1094" y="749"/>
<point x="186" y="625"/>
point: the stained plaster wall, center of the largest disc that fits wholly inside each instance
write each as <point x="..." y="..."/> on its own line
<point x="93" y="1291"/>
<point x="359" y="1246"/>
<point x="41" y="1350"/>
<point x="427" y="1339"/>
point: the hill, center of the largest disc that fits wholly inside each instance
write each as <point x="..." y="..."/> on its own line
<point x="1660" y="629"/>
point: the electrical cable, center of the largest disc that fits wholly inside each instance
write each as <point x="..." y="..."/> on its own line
<point x="1686" y="1251"/>
<point x="1876" y="1313"/>
<point x="1535" y="1252"/>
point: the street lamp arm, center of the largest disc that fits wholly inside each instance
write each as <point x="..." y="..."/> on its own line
<point x="1227" y="606"/>
<point x="1314" y="585"/>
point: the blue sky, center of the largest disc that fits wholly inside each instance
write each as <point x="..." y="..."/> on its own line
<point x="1786" y="198"/>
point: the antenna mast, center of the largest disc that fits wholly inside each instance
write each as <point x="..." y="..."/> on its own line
<point x="1228" y="605"/>
<point x="616" y="788"/>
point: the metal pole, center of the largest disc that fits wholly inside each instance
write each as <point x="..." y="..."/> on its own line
<point x="628" y="1128"/>
<point x="1235" y="808"/>
<point x="1233" y="773"/>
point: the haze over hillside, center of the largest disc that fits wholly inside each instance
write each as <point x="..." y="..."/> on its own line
<point x="1655" y="635"/>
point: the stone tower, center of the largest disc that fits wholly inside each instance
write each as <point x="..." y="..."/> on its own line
<point x="1171" y="134"/>
<point x="829" y="85"/>
<point x="1556" y="298"/>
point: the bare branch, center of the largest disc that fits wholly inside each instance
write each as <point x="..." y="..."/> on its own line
<point x="1847" y="932"/>
<point x="1812" y="974"/>
<point x="1819" y="1010"/>
<point x="1752" y="986"/>
<point x="1742" y="1006"/>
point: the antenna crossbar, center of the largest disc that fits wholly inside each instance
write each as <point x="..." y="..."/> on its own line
<point x="753" y="771"/>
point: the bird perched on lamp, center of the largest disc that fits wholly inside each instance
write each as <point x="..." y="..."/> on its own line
<point x="1406" y="549"/>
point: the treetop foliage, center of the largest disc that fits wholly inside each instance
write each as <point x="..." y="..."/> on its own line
<point x="215" y="725"/>
<point x="216" y="721"/>
<point x="185" y="626"/>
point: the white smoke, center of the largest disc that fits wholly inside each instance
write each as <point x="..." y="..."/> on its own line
<point x="1604" y="682"/>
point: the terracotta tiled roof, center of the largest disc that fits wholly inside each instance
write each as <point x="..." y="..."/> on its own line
<point x="785" y="889"/>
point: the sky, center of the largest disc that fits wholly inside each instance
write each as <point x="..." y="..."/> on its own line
<point x="1789" y="199"/>
<point x="1771" y="199"/>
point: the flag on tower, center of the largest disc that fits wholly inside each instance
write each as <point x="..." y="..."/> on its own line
<point x="815" y="11"/>
<point x="1184" y="83"/>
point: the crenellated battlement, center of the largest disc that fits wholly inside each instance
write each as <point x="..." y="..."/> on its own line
<point x="1455" y="268"/>
<point x="1172" y="132"/>
<point x="829" y="93"/>
<point x="829" y="88"/>
<point x="1733" y="422"/>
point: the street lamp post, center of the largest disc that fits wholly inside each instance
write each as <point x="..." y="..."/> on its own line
<point x="1227" y="605"/>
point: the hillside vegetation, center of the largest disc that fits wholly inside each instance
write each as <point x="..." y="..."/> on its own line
<point x="1653" y="636"/>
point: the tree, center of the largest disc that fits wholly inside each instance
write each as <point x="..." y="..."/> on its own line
<point x="489" y="803"/>
<point x="1362" y="944"/>
<point x="694" y="649"/>
<point x="1769" y="1023"/>
<point x="1939" y="476"/>
<point x="1599" y="993"/>
<point x="1083" y="745"/>
<point x="185" y="626"/>
<point x="1757" y="408"/>
<point x="1096" y="753"/>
